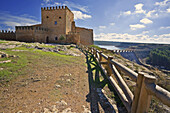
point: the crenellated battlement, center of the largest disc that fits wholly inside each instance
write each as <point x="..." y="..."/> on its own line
<point x="54" y="8"/>
<point x="30" y="28"/>
<point x="7" y="35"/>
<point x="7" y="32"/>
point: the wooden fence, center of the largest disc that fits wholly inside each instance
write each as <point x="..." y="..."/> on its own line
<point x="146" y="87"/>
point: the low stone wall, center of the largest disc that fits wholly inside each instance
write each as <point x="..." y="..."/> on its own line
<point x="31" y="34"/>
<point x="7" y="35"/>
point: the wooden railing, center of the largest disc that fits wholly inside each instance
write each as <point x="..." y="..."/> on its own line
<point x="146" y="87"/>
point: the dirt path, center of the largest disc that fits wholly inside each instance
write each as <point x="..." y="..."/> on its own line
<point x="52" y="84"/>
<point x="48" y="88"/>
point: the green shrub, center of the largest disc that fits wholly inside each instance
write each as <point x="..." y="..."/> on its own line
<point x="62" y="37"/>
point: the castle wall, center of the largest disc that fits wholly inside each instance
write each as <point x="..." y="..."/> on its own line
<point x="7" y="35"/>
<point x="86" y="35"/>
<point x="73" y="38"/>
<point x="31" y="34"/>
<point x="69" y="20"/>
<point x="41" y="36"/>
<point x="25" y="34"/>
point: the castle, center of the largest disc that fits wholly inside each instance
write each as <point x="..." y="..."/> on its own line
<point x="57" y="26"/>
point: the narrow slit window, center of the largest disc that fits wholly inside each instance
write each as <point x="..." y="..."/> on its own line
<point x="56" y="38"/>
<point x="55" y="22"/>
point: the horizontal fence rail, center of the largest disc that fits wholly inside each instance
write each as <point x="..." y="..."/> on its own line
<point x="146" y="87"/>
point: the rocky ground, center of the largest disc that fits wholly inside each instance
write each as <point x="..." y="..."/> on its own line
<point x="47" y="86"/>
<point x="50" y="78"/>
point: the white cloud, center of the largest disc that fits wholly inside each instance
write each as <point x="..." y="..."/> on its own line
<point x="46" y="1"/>
<point x="66" y="3"/>
<point x="125" y="37"/>
<point x="150" y="13"/>
<point x="165" y="36"/>
<point x="168" y="10"/>
<point x="112" y="24"/>
<point x="12" y="24"/>
<point x="168" y="27"/>
<point x="12" y="20"/>
<point x="163" y="3"/>
<point x="127" y="13"/>
<point x="102" y="27"/>
<point x="80" y="15"/>
<point x="136" y="26"/>
<point x="146" y="21"/>
<point x="76" y="6"/>
<point x="57" y="3"/>
<point x="145" y="32"/>
<point x="139" y="8"/>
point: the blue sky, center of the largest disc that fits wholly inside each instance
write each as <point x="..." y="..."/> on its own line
<point x="111" y="20"/>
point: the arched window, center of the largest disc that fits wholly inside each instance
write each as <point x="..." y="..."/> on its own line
<point x="47" y="17"/>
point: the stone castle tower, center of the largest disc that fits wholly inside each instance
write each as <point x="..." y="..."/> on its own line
<point x="57" y="26"/>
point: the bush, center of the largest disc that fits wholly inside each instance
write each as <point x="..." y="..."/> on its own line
<point x="62" y="37"/>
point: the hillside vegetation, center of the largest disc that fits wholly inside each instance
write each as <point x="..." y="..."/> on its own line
<point x="160" y="57"/>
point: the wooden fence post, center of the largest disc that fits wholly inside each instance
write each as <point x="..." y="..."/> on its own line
<point x="142" y="98"/>
<point x="100" y="57"/>
<point x="88" y="49"/>
<point x="109" y="70"/>
<point x="94" y="52"/>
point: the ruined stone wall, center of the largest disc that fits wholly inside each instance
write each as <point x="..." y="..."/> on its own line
<point x="31" y="34"/>
<point x="86" y="35"/>
<point x="7" y="35"/>
<point x="54" y="18"/>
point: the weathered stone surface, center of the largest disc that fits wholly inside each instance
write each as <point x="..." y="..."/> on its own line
<point x="7" y="61"/>
<point x="67" y="110"/>
<point x="20" y="111"/>
<point x="58" y="86"/>
<point x="62" y="102"/>
<point x="46" y="110"/>
<point x="54" y="109"/>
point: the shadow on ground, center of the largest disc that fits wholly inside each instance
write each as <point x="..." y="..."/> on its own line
<point x="96" y="97"/>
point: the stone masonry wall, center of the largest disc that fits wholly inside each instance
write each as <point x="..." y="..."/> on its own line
<point x="31" y="34"/>
<point x="7" y="35"/>
<point x="54" y="18"/>
<point x="86" y="35"/>
<point x="73" y="38"/>
<point x="69" y="20"/>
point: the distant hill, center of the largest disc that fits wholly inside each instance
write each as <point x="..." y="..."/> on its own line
<point x="160" y="57"/>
